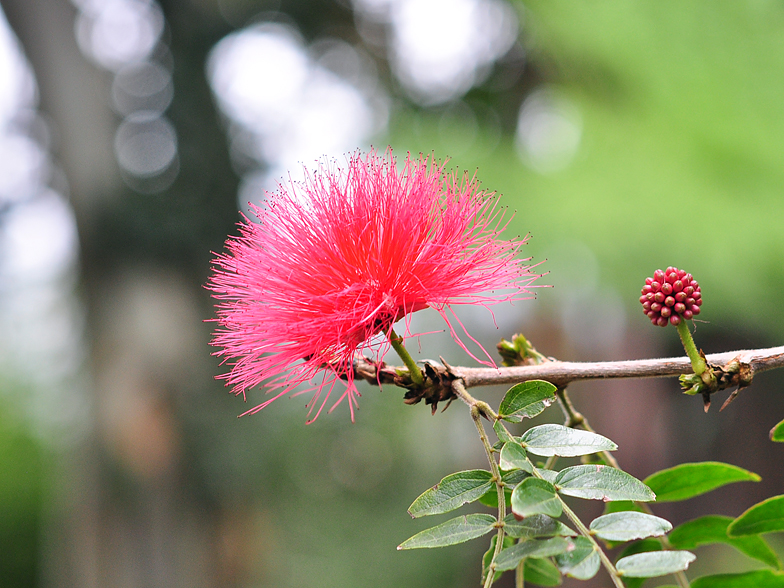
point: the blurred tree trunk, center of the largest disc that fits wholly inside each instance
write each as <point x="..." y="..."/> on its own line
<point x="126" y="509"/>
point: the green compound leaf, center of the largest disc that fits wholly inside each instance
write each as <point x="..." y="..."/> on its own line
<point x="526" y="400"/>
<point x="598" y="482"/>
<point x="533" y="496"/>
<point x="511" y="556"/>
<point x="513" y="457"/>
<point x="756" y="579"/>
<point x="548" y="440"/>
<point x="692" y="479"/>
<point x="536" y="526"/>
<point x="764" y="517"/>
<point x="452" y="532"/>
<point x="712" y="529"/>
<point x="654" y="563"/>
<point x="452" y="492"/>
<point x="582" y="562"/>
<point x="777" y="433"/>
<point x="541" y="572"/>
<point x="627" y="526"/>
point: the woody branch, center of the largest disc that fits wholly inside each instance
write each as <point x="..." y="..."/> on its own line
<point x="744" y="363"/>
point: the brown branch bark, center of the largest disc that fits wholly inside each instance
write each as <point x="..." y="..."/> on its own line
<point x="739" y="367"/>
<point x="562" y="373"/>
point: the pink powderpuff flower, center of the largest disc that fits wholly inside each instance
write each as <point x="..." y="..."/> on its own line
<point x="343" y="255"/>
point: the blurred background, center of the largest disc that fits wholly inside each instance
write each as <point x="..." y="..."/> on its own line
<point x="626" y="136"/>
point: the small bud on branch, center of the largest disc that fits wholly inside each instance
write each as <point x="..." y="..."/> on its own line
<point x="671" y="296"/>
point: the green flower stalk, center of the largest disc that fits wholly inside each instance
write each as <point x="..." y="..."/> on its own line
<point x="417" y="378"/>
<point x="698" y="364"/>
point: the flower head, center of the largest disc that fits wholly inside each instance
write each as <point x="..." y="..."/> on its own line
<point x="340" y="257"/>
<point x="670" y="296"/>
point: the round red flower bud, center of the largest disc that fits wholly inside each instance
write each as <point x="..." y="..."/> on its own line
<point x="670" y="296"/>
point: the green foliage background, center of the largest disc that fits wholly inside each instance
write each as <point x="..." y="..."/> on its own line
<point x="22" y="471"/>
<point x="682" y="155"/>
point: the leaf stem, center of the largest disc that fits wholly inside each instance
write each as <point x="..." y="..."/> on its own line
<point x="481" y="409"/>
<point x="682" y="579"/>
<point x="583" y="530"/>
<point x="573" y="419"/>
<point x="413" y="369"/>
